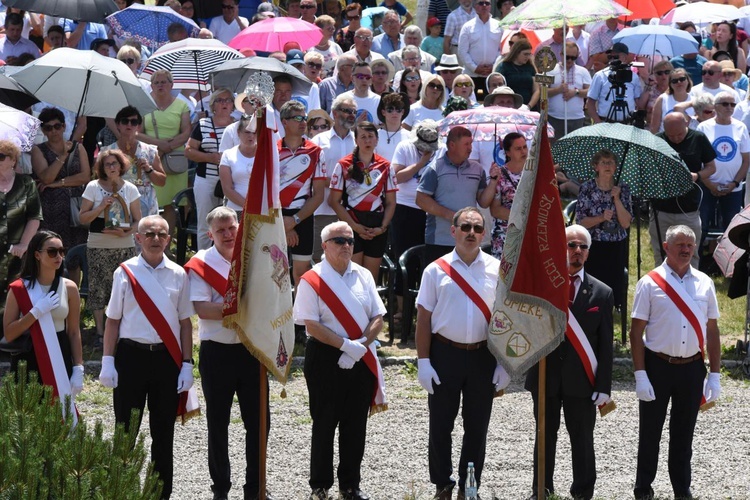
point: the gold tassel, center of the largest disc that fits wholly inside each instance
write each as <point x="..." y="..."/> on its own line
<point x="283" y="393"/>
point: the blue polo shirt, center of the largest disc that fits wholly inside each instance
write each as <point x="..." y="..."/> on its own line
<point x="93" y="31"/>
<point x="454" y="187"/>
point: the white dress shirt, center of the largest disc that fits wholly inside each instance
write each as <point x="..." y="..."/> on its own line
<point x="201" y="291"/>
<point x="334" y="148"/>
<point x="479" y="43"/>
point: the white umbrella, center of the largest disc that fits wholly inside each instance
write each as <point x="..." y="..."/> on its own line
<point x="702" y="13"/>
<point x="18" y="127"/>
<point x="85" y="81"/>
<point x="649" y="40"/>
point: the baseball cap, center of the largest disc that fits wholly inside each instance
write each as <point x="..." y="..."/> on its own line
<point x="295" y="56"/>
<point x="620" y="48"/>
<point x="433" y="21"/>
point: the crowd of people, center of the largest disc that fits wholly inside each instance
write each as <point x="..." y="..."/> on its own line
<point x="365" y="170"/>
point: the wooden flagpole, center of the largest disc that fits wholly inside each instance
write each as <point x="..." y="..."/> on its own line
<point x="263" y="431"/>
<point x="540" y="434"/>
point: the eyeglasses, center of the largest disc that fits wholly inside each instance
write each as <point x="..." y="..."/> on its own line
<point x="348" y="111"/>
<point x="708" y="72"/>
<point x="151" y="235"/>
<point x="663" y="72"/>
<point x="319" y="127"/>
<point x="483" y="4"/>
<point x="133" y="121"/>
<point x="128" y="61"/>
<point x="412" y="78"/>
<point x="341" y="241"/>
<point x="223" y="100"/>
<point x="364" y="38"/>
<point x="391" y="109"/>
<point x="412" y="59"/>
<point x="434" y="86"/>
<point x="463" y="84"/>
<point x="571" y="58"/>
<point x="307" y="6"/>
<point x="360" y="76"/>
<point x="582" y="246"/>
<point x="227" y="7"/>
<point x="466" y="227"/>
<point x="681" y="79"/>
<point x="708" y="111"/>
<point x="113" y="164"/>
<point x="727" y="104"/>
<point x="315" y="65"/>
<point x="53" y="252"/>
<point x="379" y="73"/>
<point x="448" y="72"/>
<point x="353" y="18"/>
<point x="48" y="127"/>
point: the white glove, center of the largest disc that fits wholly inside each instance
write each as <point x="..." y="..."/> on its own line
<point x="426" y="374"/>
<point x="599" y="398"/>
<point x="185" y="380"/>
<point x="353" y="349"/>
<point x="500" y="378"/>
<point x="346" y="362"/>
<point x="45" y="304"/>
<point x="108" y="375"/>
<point x="76" y="381"/>
<point x="712" y="389"/>
<point x="643" y="388"/>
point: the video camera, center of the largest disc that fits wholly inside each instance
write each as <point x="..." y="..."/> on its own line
<point x="620" y="72"/>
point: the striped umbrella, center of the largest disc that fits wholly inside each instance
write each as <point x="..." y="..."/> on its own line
<point x="190" y="61"/>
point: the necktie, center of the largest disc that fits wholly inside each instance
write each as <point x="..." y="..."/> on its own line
<point x="572" y="292"/>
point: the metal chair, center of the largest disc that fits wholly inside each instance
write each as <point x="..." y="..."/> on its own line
<point x="569" y="212"/>
<point x="76" y="259"/>
<point x="410" y="285"/>
<point x="186" y="223"/>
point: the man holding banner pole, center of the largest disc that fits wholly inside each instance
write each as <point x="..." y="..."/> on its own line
<point x="453" y="314"/>
<point x="579" y="371"/>
<point x="675" y="305"/>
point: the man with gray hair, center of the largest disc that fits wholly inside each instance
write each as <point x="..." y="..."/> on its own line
<point x="408" y="58"/>
<point x="413" y="36"/>
<point x="391" y="39"/>
<point x="362" y="49"/>
<point x="338" y="83"/>
<point x="675" y="306"/>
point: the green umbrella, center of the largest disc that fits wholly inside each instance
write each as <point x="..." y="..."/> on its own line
<point x="647" y="164"/>
<point x="542" y="14"/>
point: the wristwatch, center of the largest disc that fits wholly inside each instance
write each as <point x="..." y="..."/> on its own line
<point x="578" y="91"/>
<point x="296" y="218"/>
<point x="188" y="360"/>
<point x="148" y="172"/>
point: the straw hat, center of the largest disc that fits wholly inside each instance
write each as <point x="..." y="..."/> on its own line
<point x="728" y="67"/>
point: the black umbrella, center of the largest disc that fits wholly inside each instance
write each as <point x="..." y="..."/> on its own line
<point x="234" y="74"/>
<point x="78" y="10"/>
<point x="11" y="93"/>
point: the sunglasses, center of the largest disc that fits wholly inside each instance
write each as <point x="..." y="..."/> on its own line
<point x="466" y="227"/>
<point x="434" y="86"/>
<point x="151" y="235"/>
<point x="364" y="38"/>
<point x="483" y="4"/>
<point x="348" y="111"/>
<point x="136" y="121"/>
<point x="360" y="76"/>
<point x="56" y="126"/>
<point x="582" y="246"/>
<point x="708" y="111"/>
<point x="53" y="252"/>
<point x="379" y="73"/>
<point x="128" y="60"/>
<point x="463" y="84"/>
<point x="315" y="65"/>
<point x="680" y="79"/>
<point x="227" y="7"/>
<point x="708" y="72"/>
<point x="613" y="56"/>
<point x="353" y="18"/>
<point x="341" y="241"/>
<point x="307" y="6"/>
<point x="571" y="58"/>
<point x="319" y="127"/>
<point x="412" y="78"/>
<point x="448" y="72"/>
<point x="727" y="104"/>
<point x="391" y="109"/>
<point x="663" y="72"/>
<point x="298" y="118"/>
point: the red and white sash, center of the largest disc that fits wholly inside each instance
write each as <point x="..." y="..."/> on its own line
<point x="162" y="315"/>
<point x="351" y="316"/>
<point x="580" y="342"/>
<point x="212" y="269"/>
<point x="468" y="285"/>
<point x="47" y="350"/>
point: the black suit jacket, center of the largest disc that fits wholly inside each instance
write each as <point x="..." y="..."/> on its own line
<point x="565" y="374"/>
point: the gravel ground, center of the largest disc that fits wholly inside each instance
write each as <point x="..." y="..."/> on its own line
<point x="395" y="463"/>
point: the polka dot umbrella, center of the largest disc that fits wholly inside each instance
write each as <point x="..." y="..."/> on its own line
<point x="646" y="163"/>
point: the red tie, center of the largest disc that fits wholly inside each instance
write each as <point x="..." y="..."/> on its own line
<point x="572" y="293"/>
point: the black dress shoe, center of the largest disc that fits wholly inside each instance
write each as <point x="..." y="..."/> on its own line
<point x="353" y="494"/>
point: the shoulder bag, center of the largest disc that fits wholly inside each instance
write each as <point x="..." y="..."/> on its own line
<point x="175" y="162"/>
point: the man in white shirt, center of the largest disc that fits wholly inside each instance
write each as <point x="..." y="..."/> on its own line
<point x="229" y="23"/>
<point x="711" y="83"/>
<point x="456" y="19"/>
<point x="581" y="38"/>
<point x="601" y="93"/>
<point x="365" y="99"/>
<point x="567" y="93"/>
<point x="362" y="49"/>
<point x="13" y="44"/>
<point x="479" y="44"/>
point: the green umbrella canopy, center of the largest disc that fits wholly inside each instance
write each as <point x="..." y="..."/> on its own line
<point x="543" y="14"/>
<point x="646" y="163"/>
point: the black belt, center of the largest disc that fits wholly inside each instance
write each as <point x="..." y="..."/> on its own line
<point x="459" y="345"/>
<point x="674" y="360"/>
<point x="144" y="347"/>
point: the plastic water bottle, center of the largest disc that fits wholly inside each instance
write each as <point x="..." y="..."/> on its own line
<point x="470" y="491"/>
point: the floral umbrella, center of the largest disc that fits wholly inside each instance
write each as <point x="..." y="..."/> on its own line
<point x="18" y="127"/>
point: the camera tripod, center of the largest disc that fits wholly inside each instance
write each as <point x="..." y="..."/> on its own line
<point x="619" y="111"/>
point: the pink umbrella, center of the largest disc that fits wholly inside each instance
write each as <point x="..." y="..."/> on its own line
<point x="270" y="35"/>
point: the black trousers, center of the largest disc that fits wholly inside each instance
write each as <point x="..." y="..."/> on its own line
<point x="337" y="398"/>
<point x="149" y="374"/>
<point x="580" y="417"/>
<point x="606" y="262"/>
<point x="226" y="370"/>
<point x="466" y="374"/>
<point x="683" y="384"/>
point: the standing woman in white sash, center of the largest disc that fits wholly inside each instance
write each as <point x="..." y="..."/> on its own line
<point x="43" y="262"/>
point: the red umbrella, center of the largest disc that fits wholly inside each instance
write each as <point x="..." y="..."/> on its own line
<point x="270" y="35"/>
<point x="646" y="9"/>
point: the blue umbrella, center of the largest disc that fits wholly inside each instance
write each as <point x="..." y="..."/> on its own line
<point x="148" y="25"/>
<point x="368" y="16"/>
<point x="649" y="40"/>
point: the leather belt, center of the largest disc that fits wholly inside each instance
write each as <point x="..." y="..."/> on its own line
<point x="144" y="347"/>
<point x="673" y="360"/>
<point x="459" y="345"/>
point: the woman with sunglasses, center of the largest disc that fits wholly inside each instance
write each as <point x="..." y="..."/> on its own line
<point x="236" y="165"/>
<point x="463" y="86"/>
<point x="430" y="104"/>
<point x="32" y="302"/>
<point x="411" y="84"/>
<point x="327" y="48"/>
<point x="352" y="16"/>
<point x="318" y="121"/>
<point x="654" y="85"/>
<point x="678" y="90"/>
<point x="203" y="147"/>
<point x="363" y="194"/>
<point x="60" y="175"/>
<point x="20" y="214"/>
<point x="518" y="69"/>
<point x="112" y="209"/>
<point x="382" y="75"/>
<point x="725" y="38"/>
<point x="392" y="109"/>
<point x="145" y="165"/>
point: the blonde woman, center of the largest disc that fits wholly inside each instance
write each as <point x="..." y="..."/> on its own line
<point x="430" y="104"/>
